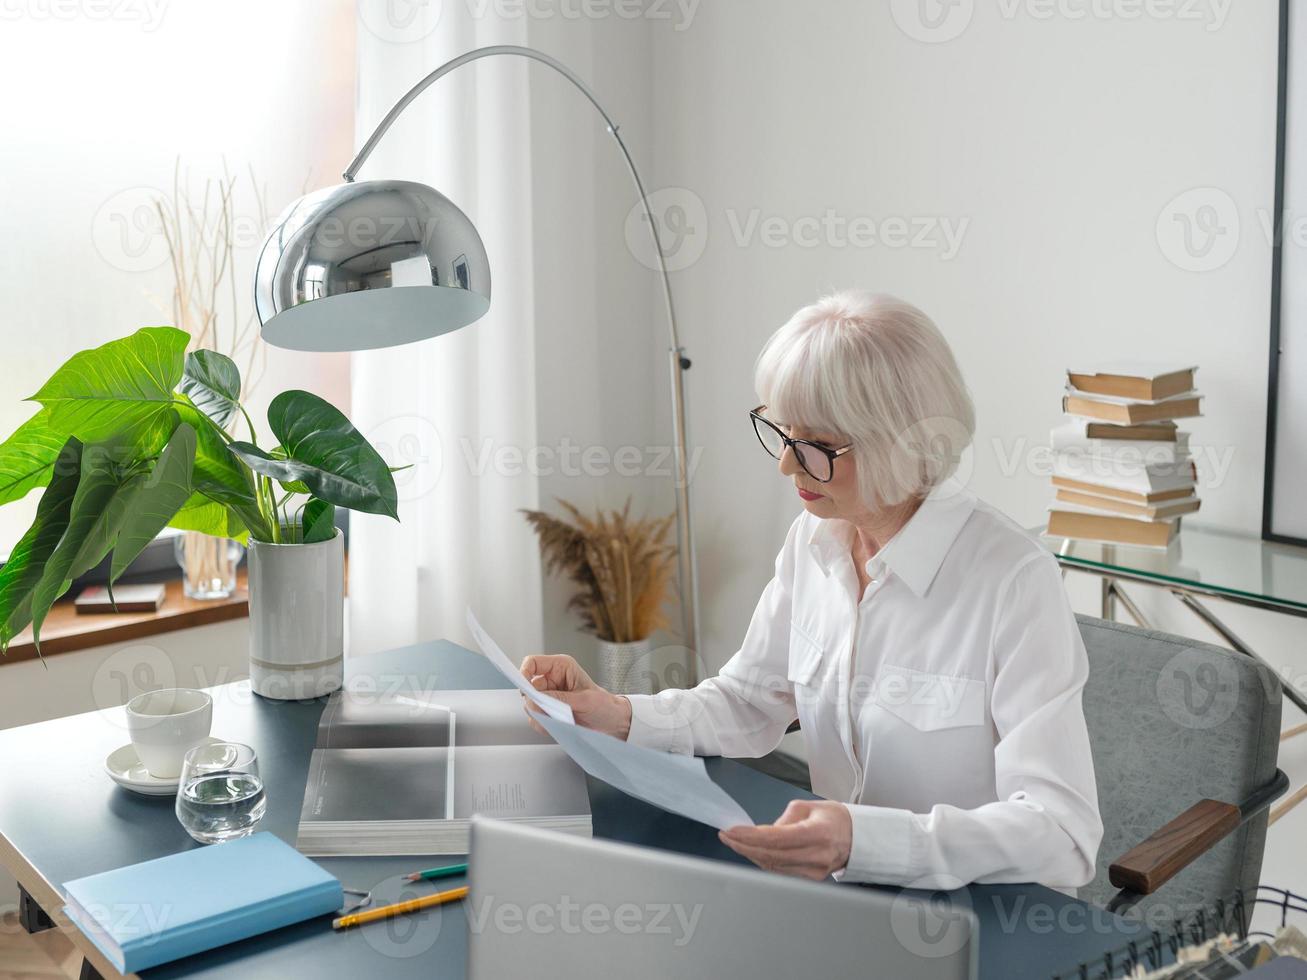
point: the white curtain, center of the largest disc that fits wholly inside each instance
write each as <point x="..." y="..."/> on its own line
<point x="441" y="404"/>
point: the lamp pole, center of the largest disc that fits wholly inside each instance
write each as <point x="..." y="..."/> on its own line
<point x="687" y="573"/>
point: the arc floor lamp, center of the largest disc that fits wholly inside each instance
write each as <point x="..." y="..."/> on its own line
<point x="376" y="263"/>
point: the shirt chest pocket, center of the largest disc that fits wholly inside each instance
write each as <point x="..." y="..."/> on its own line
<point x="930" y="702"/>
<point x="806" y="656"/>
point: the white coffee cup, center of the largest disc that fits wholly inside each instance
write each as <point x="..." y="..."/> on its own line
<point x="165" y="724"/>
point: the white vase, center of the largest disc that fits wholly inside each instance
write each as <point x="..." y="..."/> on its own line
<point x="297" y="618"/>
<point x="625" y="668"/>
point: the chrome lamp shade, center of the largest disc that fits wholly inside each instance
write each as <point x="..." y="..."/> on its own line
<point x="370" y="264"/>
<point x="384" y="262"/>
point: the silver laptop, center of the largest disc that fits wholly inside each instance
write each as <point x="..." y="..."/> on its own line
<point x="545" y="904"/>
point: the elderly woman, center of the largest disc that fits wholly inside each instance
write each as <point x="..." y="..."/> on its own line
<point x="921" y="638"/>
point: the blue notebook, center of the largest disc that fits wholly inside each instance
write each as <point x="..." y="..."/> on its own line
<point x="161" y="910"/>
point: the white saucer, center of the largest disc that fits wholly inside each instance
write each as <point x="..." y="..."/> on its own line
<point x="126" y="769"/>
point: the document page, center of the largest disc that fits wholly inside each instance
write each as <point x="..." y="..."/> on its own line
<point x="490" y="650"/>
<point x="678" y="783"/>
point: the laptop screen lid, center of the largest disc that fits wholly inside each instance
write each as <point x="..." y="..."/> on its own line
<point x="544" y="904"/>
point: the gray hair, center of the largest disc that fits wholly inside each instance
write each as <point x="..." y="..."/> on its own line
<point x="878" y="372"/>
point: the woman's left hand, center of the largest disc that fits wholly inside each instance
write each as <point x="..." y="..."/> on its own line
<point x="810" y="839"/>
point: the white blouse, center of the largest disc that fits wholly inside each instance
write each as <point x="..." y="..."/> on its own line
<point x="943" y="706"/>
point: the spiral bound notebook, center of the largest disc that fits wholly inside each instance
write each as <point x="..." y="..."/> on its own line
<point x="403" y="774"/>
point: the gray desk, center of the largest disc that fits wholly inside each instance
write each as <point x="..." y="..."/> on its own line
<point x="61" y="818"/>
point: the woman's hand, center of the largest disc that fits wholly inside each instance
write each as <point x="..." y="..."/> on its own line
<point x="811" y="839"/>
<point x="562" y="677"/>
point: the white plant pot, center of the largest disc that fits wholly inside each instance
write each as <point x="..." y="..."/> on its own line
<point x="297" y="618"/>
<point x="625" y="668"/>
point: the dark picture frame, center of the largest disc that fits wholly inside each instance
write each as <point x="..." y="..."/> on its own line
<point x="1273" y="369"/>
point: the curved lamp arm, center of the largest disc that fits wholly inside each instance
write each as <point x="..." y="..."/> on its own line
<point x="687" y="571"/>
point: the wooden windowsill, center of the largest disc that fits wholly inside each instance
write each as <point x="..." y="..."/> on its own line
<point x="66" y="630"/>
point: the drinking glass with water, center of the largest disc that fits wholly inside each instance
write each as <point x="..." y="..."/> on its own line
<point x="220" y="796"/>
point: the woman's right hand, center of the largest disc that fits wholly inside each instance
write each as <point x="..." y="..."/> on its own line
<point x="561" y="677"/>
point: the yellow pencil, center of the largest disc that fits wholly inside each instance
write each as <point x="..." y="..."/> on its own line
<point x="399" y="908"/>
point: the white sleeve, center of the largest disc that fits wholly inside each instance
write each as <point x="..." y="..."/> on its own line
<point x="745" y="709"/>
<point x="1045" y="826"/>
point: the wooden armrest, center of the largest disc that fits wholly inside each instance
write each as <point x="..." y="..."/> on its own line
<point x="1149" y="865"/>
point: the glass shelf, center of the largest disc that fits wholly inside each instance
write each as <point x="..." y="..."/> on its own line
<point x="1230" y="564"/>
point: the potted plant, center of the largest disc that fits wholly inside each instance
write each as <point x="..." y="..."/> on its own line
<point x="132" y="437"/>
<point x="622" y="569"/>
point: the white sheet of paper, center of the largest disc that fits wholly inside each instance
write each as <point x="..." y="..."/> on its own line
<point x="678" y="783"/>
<point x="490" y="650"/>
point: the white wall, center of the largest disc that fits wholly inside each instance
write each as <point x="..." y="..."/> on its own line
<point x="601" y="374"/>
<point x="1055" y="144"/>
<point x="97" y="111"/>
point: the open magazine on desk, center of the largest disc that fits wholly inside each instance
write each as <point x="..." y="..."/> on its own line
<point x="402" y="774"/>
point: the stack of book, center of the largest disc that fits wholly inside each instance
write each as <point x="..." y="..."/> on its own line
<point x="1121" y="466"/>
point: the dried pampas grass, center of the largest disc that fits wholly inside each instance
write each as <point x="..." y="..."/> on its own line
<point x="622" y="568"/>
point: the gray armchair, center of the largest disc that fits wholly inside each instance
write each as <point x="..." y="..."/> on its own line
<point x="1185" y="737"/>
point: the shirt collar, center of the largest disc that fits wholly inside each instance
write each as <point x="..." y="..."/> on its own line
<point x="917" y="551"/>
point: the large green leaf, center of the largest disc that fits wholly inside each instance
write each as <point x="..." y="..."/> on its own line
<point x="27" y="457"/>
<point x="22" y="571"/>
<point x="318" y="521"/>
<point x="122" y="389"/>
<point x="213" y="383"/>
<point x="209" y="517"/>
<point x="154" y="503"/>
<point x="216" y="469"/>
<point x="325" y="453"/>
<point x="285" y="470"/>
<point x="219" y="476"/>
<point x="93" y="520"/>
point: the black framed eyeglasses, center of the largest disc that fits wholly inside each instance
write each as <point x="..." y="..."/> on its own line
<point x="818" y="461"/>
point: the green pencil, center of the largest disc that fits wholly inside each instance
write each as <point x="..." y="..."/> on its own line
<point x="453" y="869"/>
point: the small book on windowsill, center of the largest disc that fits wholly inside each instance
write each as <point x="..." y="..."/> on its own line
<point x="130" y="598"/>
